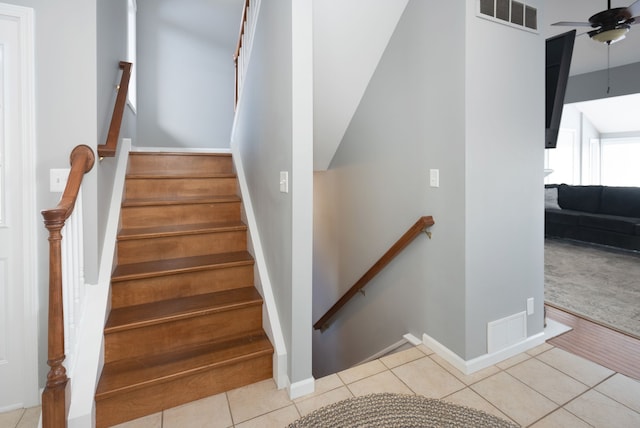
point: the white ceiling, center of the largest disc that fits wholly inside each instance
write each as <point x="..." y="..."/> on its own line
<point x="609" y="115"/>
<point x="613" y="115"/>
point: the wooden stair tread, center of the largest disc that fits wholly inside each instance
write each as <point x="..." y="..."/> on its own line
<point x="170" y="310"/>
<point x="180" y="229"/>
<point x="179" y="200"/>
<point x="184" y="264"/>
<point x="176" y="174"/>
<point x="135" y="373"/>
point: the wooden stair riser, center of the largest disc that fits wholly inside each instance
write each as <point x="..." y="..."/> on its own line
<point x="179" y="162"/>
<point x="149" y="216"/>
<point x="152" y="399"/>
<point x="173" y="335"/>
<point x="172" y="247"/>
<point x="182" y="186"/>
<point x="140" y="291"/>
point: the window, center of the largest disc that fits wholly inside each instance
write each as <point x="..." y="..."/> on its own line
<point x="619" y="162"/>
<point x="564" y="160"/>
<point x="131" y="52"/>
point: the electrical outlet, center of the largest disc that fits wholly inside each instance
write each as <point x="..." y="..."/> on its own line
<point x="530" y="306"/>
<point x="58" y="179"/>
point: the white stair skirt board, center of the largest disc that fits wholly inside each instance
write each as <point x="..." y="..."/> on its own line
<point x="90" y="359"/>
<point x="271" y="320"/>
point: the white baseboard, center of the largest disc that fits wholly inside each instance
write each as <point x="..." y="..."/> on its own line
<point x="301" y="388"/>
<point x="483" y="361"/>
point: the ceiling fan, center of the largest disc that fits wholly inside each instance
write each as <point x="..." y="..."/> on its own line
<point x="610" y="25"/>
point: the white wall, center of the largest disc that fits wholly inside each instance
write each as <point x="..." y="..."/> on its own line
<point x="470" y="105"/>
<point x="273" y="133"/>
<point x="186" y="72"/>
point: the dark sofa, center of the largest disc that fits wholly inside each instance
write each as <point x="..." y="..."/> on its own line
<point x="600" y="214"/>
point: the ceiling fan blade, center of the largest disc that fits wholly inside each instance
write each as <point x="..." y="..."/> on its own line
<point x="574" y="24"/>
<point x="634" y="9"/>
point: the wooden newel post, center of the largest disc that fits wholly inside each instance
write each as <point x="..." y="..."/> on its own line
<point x="55" y="398"/>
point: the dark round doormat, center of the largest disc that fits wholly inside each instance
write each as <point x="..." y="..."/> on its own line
<point x="397" y="410"/>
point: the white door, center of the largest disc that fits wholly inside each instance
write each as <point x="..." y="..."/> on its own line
<point x="18" y="299"/>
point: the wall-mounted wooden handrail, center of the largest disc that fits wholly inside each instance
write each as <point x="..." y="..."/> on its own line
<point x="406" y="239"/>
<point x="55" y="400"/>
<point x="109" y="148"/>
<point x="236" y="54"/>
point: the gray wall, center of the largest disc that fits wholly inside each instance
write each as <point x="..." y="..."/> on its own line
<point x="377" y="186"/>
<point x="111" y="49"/>
<point x="591" y="86"/>
<point x="65" y="95"/>
<point x="464" y="107"/>
<point x="504" y="175"/>
<point x="264" y="139"/>
<point x="186" y="72"/>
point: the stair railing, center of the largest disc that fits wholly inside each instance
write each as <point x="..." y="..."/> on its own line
<point x="109" y="148"/>
<point x="55" y="398"/>
<point x="420" y="226"/>
<point x="245" y="41"/>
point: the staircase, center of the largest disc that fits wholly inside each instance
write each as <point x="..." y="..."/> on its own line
<point x="186" y="320"/>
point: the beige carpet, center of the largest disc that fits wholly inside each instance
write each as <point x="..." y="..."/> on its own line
<point x="599" y="283"/>
<point x="397" y="410"/>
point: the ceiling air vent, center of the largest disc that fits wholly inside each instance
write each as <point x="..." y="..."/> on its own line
<point x="515" y="13"/>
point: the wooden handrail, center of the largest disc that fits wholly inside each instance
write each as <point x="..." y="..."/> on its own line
<point x="406" y="239"/>
<point x="109" y="148"/>
<point x="55" y="400"/>
<point x="236" y="54"/>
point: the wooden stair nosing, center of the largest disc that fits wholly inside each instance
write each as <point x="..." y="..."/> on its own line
<point x="184" y="264"/>
<point x="176" y="230"/>
<point x="172" y="153"/>
<point x="177" y="175"/>
<point x="180" y="200"/>
<point x="137" y="373"/>
<point x="148" y="314"/>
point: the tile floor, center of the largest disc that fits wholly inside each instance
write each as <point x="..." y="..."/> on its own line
<point x="544" y="387"/>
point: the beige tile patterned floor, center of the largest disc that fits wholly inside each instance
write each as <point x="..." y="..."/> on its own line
<point x="544" y="387"/>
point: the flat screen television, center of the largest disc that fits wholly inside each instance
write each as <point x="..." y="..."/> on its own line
<point x="558" y="62"/>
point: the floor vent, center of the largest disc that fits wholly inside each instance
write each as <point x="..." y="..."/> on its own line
<point x="516" y="13"/>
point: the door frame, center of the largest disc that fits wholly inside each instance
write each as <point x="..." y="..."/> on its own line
<point x="24" y="17"/>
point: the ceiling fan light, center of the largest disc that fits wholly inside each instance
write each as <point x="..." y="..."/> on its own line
<point x="611" y="35"/>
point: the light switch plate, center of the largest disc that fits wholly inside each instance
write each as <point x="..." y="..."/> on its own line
<point x="58" y="179"/>
<point x="434" y="177"/>
<point x="284" y="181"/>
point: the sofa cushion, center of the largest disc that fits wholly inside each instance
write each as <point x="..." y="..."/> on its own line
<point x="623" y="201"/>
<point x="612" y="223"/>
<point x="551" y="198"/>
<point x="579" y="198"/>
<point x="567" y="217"/>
